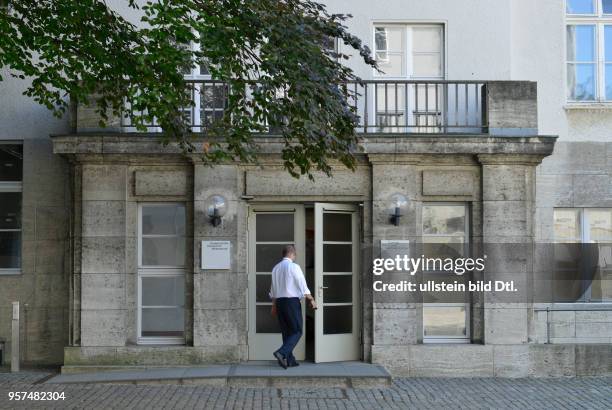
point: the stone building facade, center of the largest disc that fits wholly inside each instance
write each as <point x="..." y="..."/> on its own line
<point x="95" y="205"/>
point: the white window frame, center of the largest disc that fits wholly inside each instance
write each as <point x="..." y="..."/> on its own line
<point x="155" y="271"/>
<point x="585" y="237"/>
<point x="194" y="74"/>
<point x="599" y="20"/>
<point x="467" y="238"/>
<point x="13" y="187"/>
<point x="408" y="52"/>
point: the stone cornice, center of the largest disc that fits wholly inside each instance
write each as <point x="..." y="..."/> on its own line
<point x="510" y="159"/>
<point x="388" y="148"/>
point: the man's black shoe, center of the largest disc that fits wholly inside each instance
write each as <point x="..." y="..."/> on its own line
<point x="282" y="362"/>
<point x="294" y="364"/>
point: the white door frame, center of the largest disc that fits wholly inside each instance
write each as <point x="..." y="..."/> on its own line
<point x="262" y="345"/>
<point x="155" y="271"/>
<point x="346" y="346"/>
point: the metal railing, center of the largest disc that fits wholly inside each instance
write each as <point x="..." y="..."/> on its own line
<point x="382" y="106"/>
<point x="594" y="307"/>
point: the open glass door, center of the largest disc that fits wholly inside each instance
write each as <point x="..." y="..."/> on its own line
<point x="270" y="227"/>
<point x="337" y="283"/>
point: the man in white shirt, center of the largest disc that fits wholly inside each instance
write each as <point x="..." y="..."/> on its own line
<point x="287" y="290"/>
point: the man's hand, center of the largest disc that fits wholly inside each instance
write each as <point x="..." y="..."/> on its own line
<point x="311" y="300"/>
<point x="313" y="304"/>
<point x="273" y="311"/>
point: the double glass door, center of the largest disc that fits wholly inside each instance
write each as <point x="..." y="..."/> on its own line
<point x="334" y="285"/>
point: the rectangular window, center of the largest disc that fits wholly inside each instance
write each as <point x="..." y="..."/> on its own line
<point x="583" y="254"/>
<point x="11" y="170"/>
<point x="161" y="273"/>
<point x="580" y="7"/>
<point x="409" y="50"/>
<point x="445" y="235"/>
<point x="608" y="60"/>
<point x="581" y="62"/>
<point x="210" y="97"/>
<point x="589" y="50"/>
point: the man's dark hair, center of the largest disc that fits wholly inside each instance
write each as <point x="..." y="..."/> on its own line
<point x="288" y="250"/>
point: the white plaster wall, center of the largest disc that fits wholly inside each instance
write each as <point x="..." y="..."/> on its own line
<point x="21" y="117"/>
<point x="477" y="31"/>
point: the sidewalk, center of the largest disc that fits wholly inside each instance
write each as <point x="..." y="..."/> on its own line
<point x="248" y="374"/>
<point x="561" y="393"/>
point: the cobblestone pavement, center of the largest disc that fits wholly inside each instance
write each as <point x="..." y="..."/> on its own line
<point x="580" y="393"/>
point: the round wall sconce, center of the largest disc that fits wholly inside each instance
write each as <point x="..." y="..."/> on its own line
<point x="398" y="205"/>
<point x="216" y="207"/>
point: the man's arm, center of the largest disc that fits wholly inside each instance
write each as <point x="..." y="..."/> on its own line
<point x="273" y="298"/>
<point x="273" y="311"/>
<point x="303" y="287"/>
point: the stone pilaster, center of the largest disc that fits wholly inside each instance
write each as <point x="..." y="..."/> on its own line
<point x="508" y="214"/>
<point x="104" y="309"/>
<point x="220" y="313"/>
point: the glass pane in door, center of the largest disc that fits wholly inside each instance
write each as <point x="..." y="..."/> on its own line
<point x="338" y="288"/>
<point x="264" y="321"/>
<point x="262" y="285"/>
<point x="337" y="258"/>
<point x="337" y="227"/>
<point x="337" y="319"/>
<point x="274" y="228"/>
<point x="268" y="255"/>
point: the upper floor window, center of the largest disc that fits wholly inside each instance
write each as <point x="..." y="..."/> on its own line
<point x="11" y="164"/>
<point x="583" y="255"/>
<point x="209" y="97"/>
<point x="589" y="50"/>
<point x="409" y="50"/>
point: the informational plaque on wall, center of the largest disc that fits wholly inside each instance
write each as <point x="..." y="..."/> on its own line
<point x="216" y="255"/>
<point x="390" y="248"/>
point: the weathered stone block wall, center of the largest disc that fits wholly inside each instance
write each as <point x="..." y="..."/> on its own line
<point x="511" y="107"/>
<point x="577" y="175"/>
<point x="496" y="360"/>
<point x="508" y="218"/>
<point x="42" y="286"/>
<point x="107" y="268"/>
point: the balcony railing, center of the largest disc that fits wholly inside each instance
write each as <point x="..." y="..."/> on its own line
<point x="382" y="106"/>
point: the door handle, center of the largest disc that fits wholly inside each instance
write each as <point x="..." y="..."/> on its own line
<point x="321" y="290"/>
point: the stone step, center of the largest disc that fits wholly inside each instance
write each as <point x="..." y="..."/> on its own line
<point x="249" y="374"/>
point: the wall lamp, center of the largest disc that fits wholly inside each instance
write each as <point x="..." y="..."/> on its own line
<point x="398" y="205"/>
<point x="216" y="207"/>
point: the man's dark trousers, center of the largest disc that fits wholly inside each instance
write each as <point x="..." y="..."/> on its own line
<point x="289" y="312"/>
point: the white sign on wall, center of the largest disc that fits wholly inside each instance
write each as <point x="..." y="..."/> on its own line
<point x="389" y="249"/>
<point x="216" y="255"/>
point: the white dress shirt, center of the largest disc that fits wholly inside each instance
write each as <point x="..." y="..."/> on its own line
<point x="288" y="281"/>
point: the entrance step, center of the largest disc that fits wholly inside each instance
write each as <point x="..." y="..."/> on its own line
<point x="248" y="374"/>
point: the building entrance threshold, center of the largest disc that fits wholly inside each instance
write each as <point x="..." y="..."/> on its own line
<point x="254" y="373"/>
